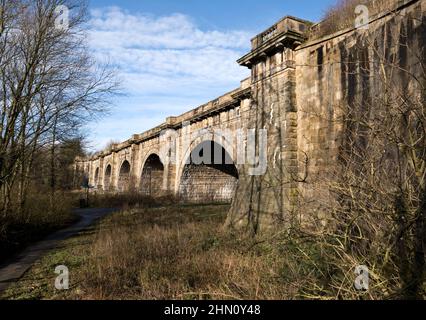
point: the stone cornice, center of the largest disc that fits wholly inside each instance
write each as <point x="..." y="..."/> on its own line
<point x="243" y="94"/>
<point x="288" y="32"/>
<point x="288" y="39"/>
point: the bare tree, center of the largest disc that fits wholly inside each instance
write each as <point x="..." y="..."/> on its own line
<point x="50" y="86"/>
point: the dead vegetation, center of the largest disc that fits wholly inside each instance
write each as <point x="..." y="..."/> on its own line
<point x="375" y="214"/>
<point x="37" y="221"/>
<point x="182" y="252"/>
<point x="175" y="252"/>
<point x="178" y="253"/>
<point x="342" y="15"/>
<point x="163" y="250"/>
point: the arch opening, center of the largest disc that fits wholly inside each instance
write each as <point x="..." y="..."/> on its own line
<point x="124" y="177"/>
<point x="152" y="176"/>
<point x="96" y="182"/>
<point x="107" y="178"/>
<point x="209" y="175"/>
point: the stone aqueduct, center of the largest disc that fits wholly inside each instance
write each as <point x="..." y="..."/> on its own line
<point x="139" y="164"/>
<point x="298" y="85"/>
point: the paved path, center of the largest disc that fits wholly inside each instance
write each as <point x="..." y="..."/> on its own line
<point x="16" y="267"/>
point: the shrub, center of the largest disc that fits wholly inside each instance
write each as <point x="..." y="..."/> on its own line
<point x="342" y="15"/>
<point x="35" y="221"/>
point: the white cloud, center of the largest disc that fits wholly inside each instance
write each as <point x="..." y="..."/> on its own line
<point x="176" y="31"/>
<point x="166" y="53"/>
<point x="119" y="130"/>
<point x="161" y="58"/>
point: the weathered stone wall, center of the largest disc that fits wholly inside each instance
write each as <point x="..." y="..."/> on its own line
<point x="301" y="93"/>
<point x="341" y="75"/>
<point x="207" y="184"/>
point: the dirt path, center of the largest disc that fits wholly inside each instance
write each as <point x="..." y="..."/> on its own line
<point x="16" y="267"/>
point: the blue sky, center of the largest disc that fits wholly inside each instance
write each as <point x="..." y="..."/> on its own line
<point x="174" y="55"/>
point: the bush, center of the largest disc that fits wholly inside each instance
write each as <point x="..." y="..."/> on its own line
<point x="35" y="221"/>
<point x="342" y="15"/>
<point x="127" y="200"/>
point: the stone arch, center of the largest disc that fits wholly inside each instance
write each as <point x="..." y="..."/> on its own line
<point x="124" y="176"/>
<point x="85" y="179"/>
<point x="86" y="173"/>
<point x="214" y="181"/>
<point x="203" y="136"/>
<point x="96" y="180"/>
<point x="107" y="177"/>
<point x="152" y="176"/>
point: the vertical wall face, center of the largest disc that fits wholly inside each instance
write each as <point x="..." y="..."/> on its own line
<point x="272" y="196"/>
<point x="340" y="84"/>
<point x="96" y="178"/>
<point x="319" y="96"/>
<point x="208" y="184"/>
<point x="153" y="175"/>
<point x="300" y="94"/>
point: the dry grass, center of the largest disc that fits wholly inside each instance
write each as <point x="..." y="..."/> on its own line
<point x="127" y="200"/>
<point x="37" y="220"/>
<point x="182" y="252"/>
<point x="174" y="252"/>
<point x="178" y="253"/>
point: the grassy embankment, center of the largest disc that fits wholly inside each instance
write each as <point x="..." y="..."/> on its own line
<point x="169" y="252"/>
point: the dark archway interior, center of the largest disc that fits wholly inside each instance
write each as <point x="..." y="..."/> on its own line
<point x="96" y="177"/>
<point x="107" y="178"/>
<point x="124" y="177"/>
<point x="152" y="176"/>
<point x="210" y="175"/>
